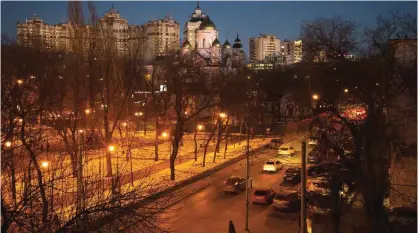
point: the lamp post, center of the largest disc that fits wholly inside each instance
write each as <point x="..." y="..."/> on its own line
<point x="247" y="179"/>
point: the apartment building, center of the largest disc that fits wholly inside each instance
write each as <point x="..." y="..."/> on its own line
<point x="155" y="38"/>
<point x="263" y="46"/>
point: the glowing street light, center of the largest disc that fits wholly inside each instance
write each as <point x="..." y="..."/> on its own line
<point x="8" y="144"/>
<point x="111" y="148"/>
<point x="124" y="124"/>
<point x="45" y="164"/>
<point x="19" y="81"/>
<point x="222" y="115"/>
<point x="199" y="127"/>
<point x="315" y="97"/>
<point x="87" y="111"/>
<point x="164" y="134"/>
<point x="148" y="76"/>
<point x="81" y="131"/>
<point x="139" y="113"/>
<point x="346" y="90"/>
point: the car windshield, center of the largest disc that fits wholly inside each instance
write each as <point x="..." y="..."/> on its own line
<point x="260" y="192"/>
<point x="292" y="170"/>
<point x="281" y="197"/>
<point x="270" y="163"/>
<point x="284" y="148"/>
<point x="232" y="180"/>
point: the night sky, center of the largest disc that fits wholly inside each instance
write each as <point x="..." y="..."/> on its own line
<point x="249" y="19"/>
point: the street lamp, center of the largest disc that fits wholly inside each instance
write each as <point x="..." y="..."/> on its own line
<point x="87" y="111"/>
<point x="19" y="81"/>
<point x="111" y="148"/>
<point x="315" y="96"/>
<point x="222" y="115"/>
<point x="199" y="127"/>
<point x="44" y="164"/>
<point x="8" y="144"/>
<point x="346" y="90"/>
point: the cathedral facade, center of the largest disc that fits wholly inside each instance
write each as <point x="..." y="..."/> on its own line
<point x="201" y="35"/>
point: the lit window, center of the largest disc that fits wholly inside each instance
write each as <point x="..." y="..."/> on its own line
<point x="163" y="87"/>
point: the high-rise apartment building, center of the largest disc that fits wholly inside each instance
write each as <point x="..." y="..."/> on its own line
<point x="160" y="37"/>
<point x="157" y="37"/>
<point x="263" y="46"/>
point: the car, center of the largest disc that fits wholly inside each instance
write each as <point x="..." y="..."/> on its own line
<point x="314" y="156"/>
<point x="316" y="170"/>
<point x="287" y="200"/>
<point x="234" y="184"/>
<point x="292" y="175"/>
<point x="286" y="150"/>
<point x="264" y="196"/>
<point x="319" y="185"/>
<point x="313" y="141"/>
<point x="402" y="219"/>
<point x="272" y="165"/>
<point x="319" y="205"/>
<point x="275" y="143"/>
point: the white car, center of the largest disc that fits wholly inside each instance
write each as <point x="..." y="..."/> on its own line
<point x="272" y="165"/>
<point x="286" y="150"/>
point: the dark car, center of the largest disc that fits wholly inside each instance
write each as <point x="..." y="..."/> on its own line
<point x="287" y="200"/>
<point x="292" y="175"/>
<point x="234" y="185"/>
<point x="314" y="156"/>
<point x="264" y="196"/>
<point x="275" y="143"/>
<point x="402" y="219"/>
<point x="319" y="205"/>
<point x="316" y="170"/>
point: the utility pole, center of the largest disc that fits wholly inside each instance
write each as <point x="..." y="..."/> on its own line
<point x="247" y="178"/>
<point x="303" y="190"/>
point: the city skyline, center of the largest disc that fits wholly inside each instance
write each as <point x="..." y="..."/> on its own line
<point x="224" y="14"/>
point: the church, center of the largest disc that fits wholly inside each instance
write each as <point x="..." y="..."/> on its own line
<point x="201" y="35"/>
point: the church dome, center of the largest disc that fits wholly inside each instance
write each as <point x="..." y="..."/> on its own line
<point x="237" y="44"/>
<point x="227" y="45"/>
<point x="207" y="24"/>
<point x="216" y="43"/>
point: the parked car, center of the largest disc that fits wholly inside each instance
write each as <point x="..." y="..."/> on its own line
<point x="275" y="143"/>
<point x="314" y="156"/>
<point x="402" y="219"/>
<point x="316" y="170"/>
<point x="319" y="205"/>
<point x="272" y="165"/>
<point x="292" y="175"/>
<point x="318" y="185"/>
<point x="287" y="200"/>
<point x="286" y="150"/>
<point x="234" y="184"/>
<point x="313" y="141"/>
<point x="264" y="196"/>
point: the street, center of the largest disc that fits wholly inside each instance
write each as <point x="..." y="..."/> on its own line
<point x="210" y="209"/>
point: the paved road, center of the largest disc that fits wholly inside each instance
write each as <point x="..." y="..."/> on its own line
<point x="210" y="209"/>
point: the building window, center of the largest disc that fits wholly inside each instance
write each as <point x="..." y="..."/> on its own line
<point x="163" y="87"/>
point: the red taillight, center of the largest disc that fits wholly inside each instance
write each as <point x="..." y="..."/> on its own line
<point x="224" y="182"/>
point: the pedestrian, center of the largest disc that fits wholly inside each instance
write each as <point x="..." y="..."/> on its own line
<point x="231" y="227"/>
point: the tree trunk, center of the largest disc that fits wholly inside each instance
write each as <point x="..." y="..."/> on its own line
<point x="145" y="125"/>
<point x="218" y="141"/>
<point x="195" y="146"/>
<point x="156" y="140"/>
<point x="178" y="135"/>
<point x="226" y="138"/>
<point x="206" y="146"/>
